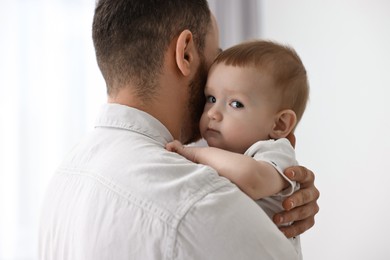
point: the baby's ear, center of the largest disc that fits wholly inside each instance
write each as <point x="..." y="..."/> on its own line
<point x="285" y="122"/>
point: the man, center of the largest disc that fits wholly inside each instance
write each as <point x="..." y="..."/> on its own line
<point x="119" y="194"/>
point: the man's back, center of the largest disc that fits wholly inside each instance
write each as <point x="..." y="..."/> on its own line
<point x="120" y="195"/>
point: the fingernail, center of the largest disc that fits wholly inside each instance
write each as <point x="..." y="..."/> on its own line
<point x="292" y="174"/>
<point x="291" y="204"/>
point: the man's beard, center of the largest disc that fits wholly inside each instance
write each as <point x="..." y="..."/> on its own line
<point x="195" y="104"/>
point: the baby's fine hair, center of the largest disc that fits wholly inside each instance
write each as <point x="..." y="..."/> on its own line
<point x="281" y="62"/>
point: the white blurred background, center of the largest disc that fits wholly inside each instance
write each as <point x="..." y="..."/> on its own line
<point x="51" y="90"/>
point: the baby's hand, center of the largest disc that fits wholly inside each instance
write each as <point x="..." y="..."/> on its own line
<point x="174" y="146"/>
<point x="187" y="152"/>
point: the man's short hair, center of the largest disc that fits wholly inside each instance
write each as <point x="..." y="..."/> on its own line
<point x="132" y="36"/>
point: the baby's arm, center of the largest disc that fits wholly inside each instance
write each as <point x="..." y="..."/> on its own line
<point x="255" y="178"/>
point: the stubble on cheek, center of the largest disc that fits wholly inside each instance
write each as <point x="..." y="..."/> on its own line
<point x="196" y="104"/>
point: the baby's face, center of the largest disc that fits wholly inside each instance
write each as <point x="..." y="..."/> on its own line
<point x="240" y="107"/>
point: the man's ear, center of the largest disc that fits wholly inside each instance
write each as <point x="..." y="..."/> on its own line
<point x="284" y="124"/>
<point x="185" y="52"/>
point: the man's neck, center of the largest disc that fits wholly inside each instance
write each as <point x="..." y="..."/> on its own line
<point x="164" y="108"/>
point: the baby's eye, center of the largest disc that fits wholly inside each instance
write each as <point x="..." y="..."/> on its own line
<point x="211" y="99"/>
<point x="237" y="104"/>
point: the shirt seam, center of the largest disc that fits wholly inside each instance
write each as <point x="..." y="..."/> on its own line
<point x="148" y="206"/>
<point x="187" y="206"/>
<point x="116" y="124"/>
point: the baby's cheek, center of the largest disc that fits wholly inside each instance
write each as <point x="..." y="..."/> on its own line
<point x="203" y="123"/>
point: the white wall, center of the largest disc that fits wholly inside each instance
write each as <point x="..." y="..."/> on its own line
<point x="344" y="135"/>
<point x="50" y="92"/>
<point x="238" y="20"/>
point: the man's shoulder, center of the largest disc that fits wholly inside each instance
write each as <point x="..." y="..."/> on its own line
<point x="146" y="174"/>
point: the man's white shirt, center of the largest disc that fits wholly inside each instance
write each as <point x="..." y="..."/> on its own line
<point x="119" y="194"/>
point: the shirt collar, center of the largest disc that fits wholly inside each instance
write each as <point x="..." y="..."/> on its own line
<point x="124" y="117"/>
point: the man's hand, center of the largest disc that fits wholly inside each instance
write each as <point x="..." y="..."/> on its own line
<point x="301" y="207"/>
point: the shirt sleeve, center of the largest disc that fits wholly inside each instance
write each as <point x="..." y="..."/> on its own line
<point x="227" y="224"/>
<point x="280" y="154"/>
